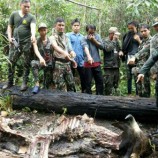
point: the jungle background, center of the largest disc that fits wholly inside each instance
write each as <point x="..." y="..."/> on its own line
<point x="102" y="13"/>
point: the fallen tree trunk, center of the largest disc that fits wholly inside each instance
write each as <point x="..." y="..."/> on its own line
<point x="112" y="107"/>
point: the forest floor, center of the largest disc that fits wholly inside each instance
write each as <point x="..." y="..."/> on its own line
<point x="35" y="121"/>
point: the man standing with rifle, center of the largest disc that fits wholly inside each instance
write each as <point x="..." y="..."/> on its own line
<point x="21" y="32"/>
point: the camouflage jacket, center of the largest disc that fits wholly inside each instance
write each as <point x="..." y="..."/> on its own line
<point x="153" y="55"/>
<point x="46" y="51"/>
<point x="143" y="52"/>
<point x="111" y="53"/>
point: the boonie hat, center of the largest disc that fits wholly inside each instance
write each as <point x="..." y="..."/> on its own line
<point x="113" y="29"/>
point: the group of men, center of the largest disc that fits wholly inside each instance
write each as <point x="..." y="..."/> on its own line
<point x="60" y="55"/>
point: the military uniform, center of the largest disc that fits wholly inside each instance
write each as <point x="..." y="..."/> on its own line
<point x="22" y="34"/>
<point x="111" y="65"/>
<point x="140" y="58"/>
<point x="46" y="52"/>
<point x="152" y="60"/>
<point x="62" y="75"/>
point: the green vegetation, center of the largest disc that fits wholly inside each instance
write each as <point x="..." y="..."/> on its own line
<point x="6" y="103"/>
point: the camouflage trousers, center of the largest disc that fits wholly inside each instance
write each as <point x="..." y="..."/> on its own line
<point x="111" y="80"/>
<point x="47" y="73"/>
<point x="14" y="55"/>
<point x="143" y="87"/>
<point x="63" y="77"/>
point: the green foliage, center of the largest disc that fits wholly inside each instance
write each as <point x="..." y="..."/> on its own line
<point x="26" y="109"/>
<point x="6" y="103"/>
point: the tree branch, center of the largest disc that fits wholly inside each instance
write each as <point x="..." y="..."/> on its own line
<point x="83" y="5"/>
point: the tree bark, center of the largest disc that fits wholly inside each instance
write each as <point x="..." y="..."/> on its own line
<point x="109" y="107"/>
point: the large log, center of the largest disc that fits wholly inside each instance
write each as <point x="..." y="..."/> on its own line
<point x="112" y="107"/>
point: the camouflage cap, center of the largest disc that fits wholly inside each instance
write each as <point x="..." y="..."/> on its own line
<point x="155" y="22"/>
<point x="42" y="25"/>
<point x="113" y="29"/>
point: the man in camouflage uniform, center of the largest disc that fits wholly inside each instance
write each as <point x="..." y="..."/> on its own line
<point x="112" y="53"/>
<point x="46" y="51"/>
<point x="21" y="32"/>
<point x="63" y="55"/>
<point x="140" y="58"/>
<point x="152" y="59"/>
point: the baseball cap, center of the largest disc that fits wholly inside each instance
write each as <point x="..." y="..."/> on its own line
<point x="42" y="25"/>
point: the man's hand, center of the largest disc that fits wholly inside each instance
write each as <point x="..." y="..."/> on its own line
<point x="42" y="62"/>
<point x="33" y="39"/>
<point x="91" y="37"/>
<point x="90" y="60"/>
<point x="67" y="57"/>
<point x="131" y="61"/>
<point x="115" y="37"/>
<point x="72" y="54"/>
<point x="120" y="53"/>
<point x="74" y="64"/>
<point x="10" y="40"/>
<point x="140" y="77"/>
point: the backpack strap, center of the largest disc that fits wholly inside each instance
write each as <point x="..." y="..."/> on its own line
<point x="21" y="20"/>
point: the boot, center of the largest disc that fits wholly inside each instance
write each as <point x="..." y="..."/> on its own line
<point x="24" y="86"/>
<point x="8" y="85"/>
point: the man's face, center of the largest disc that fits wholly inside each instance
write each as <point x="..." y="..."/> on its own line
<point x="156" y="28"/>
<point x="145" y="32"/>
<point x="42" y="31"/>
<point x="91" y="31"/>
<point x="60" y="27"/>
<point x="131" y="28"/>
<point x="25" y="7"/>
<point x="76" y="27"/>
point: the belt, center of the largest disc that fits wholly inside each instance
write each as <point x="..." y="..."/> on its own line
<point x="61" y="60"/>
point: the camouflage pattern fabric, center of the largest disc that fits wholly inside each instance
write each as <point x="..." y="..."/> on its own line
<point x="14" y="55"/>
<point x="111" y="80"/>
<point x="141" y="57"/>
<point x="152" y="60"/>
<point x="47" y="71"/>
<point x="63" y="77"/>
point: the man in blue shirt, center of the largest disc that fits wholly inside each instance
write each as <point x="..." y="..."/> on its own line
<point x="75" y="39"/>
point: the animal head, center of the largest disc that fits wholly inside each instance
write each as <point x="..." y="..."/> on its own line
<point x="129" y="118"/>
<point x="132" y="122"/>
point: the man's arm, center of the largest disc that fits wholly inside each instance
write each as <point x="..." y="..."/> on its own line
<point x="86" y="50"/>
<point x="57" y="48"/>
<point x="143" y="52"/>
<point x="42" y="61"/>
<point x="89" y="58"/>
<point x="10" y="31"/>
<point x="10" y="28"/>
<point x="148" y="64"/>
<point x="109" y="45"/>
<point x="97" y="41"/>
<point x="33" y="32"/>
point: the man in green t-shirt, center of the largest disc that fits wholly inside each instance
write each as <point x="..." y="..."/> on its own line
<point x="21" y="32"/>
